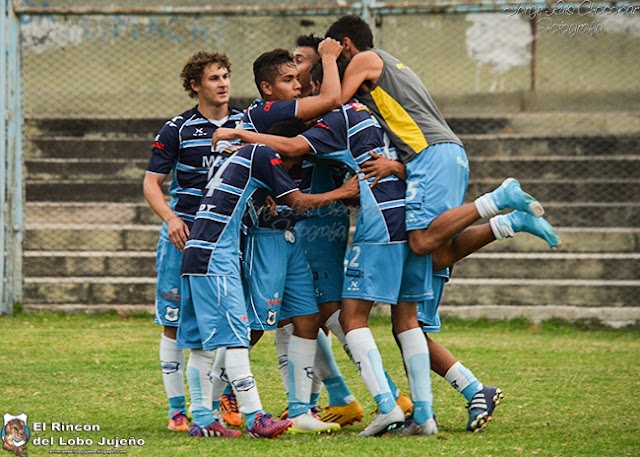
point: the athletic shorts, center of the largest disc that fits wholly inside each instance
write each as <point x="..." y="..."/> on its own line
<point x="277" y="277"/>
<point x="387" y="273"/>
<point x="214" y="313"/>
<point x="428" y="315"/>
<point x="437" y="181"/>
<point x="168" y="264"/>
<point x="324" y="241"/>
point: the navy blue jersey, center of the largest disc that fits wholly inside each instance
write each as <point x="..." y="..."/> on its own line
<point x="261" y="115"/>
<point x="349" y="134"/>
<point x="310" y="177"/>
<point x="183" y="147"/>
<point x="213" y="247"/>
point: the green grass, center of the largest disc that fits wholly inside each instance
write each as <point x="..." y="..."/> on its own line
<point x="569" y="391"/>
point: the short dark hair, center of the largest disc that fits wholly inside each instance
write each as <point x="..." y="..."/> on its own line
<point x="317" y="73"/>
<point x="194" y="68"/>
<point x="353" y="27"/>
<point x="289" y="128"/>
<point x="266" y="66"/>
<point x="308" y="41"/>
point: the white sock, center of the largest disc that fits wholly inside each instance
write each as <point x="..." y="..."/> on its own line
<point x="302" y="354"/>
<point x="415" y="353"/>
<point x="218" y="376"/>
<point x="172" y="362"/>
<point x="200" y="386"/>
<point x="242" y="380"/>
<point x="321" y="368"/>
<point x="281" y="338"/>
<point x="486" y="206"/>
<point x="501" y="227"/>
<point x="460" y="377"/>
<point x="333" y="324"/>
<point x="367" y="358"/>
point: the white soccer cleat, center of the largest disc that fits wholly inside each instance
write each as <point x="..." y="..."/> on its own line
<point x="308" y="423"/>
<point x="384" y="423"/>
<point x="430" y="427"/>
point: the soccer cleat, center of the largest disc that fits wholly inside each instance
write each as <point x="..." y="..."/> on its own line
<point x="178" y="422"/>
<point x="230" y="412"/>
<point x="538" y="226"/>
<point x="384" y="423"/>
<point x="510" y="195"/>
<point x="481" y="407"/>
<point x="343" y="415"/>
<point x="265" y="427"/>
<point x="404" y="402"/>
<point x="430" y="427"/>
<point x="213" y="430"/>
<point x="308" y="423"/>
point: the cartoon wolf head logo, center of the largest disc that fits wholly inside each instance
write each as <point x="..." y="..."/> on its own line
<point x="15" y="434"/>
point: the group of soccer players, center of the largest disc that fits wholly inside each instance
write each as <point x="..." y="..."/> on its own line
<point x="255" y="238"/>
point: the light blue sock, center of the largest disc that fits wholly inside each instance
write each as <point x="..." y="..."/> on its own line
<point x="463" y="380"/>
<point x="415" y="354"/>
<point x="215" y="404"/>
<point x="471" y="389"/>
<point x="392" y="385"/>
<point x="385" y="402"/>
<point x="339" y="393"/>
<point x="228" y="390"/>
<point x="250" y="418"/>
<point x="314" y="399"/>
<point x="177" y="404"/>
<point x="202" y="416"/>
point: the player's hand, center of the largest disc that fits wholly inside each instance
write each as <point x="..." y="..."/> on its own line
<point x="330" y="48"/>
<point x="223" y="134"/>
<point x="271" y="205"/>
<point x="378" y="168"/>
<point x="178" y="232"/>
<point x="351" y="188"/>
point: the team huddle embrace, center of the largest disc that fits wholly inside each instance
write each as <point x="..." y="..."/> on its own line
<point x="255" y="238"/>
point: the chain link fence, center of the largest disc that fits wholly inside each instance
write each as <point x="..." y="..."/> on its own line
<point x="547" y="93"/>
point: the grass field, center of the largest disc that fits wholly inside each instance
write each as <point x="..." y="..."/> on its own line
<point x="569" y="391"/>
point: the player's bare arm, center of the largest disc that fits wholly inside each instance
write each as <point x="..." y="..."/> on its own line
<point x="381" y="167"/>
<point x="287" y="147"/>
<point x="364" y="69"/>
<point x="300" y="201"/>
<point x="152" y="188"/>
<point x="329" y="97"/>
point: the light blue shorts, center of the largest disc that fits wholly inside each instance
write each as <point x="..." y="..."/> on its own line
<point x="387" y="273"/>
<point x="168" y="264"/>
<point x="324" y="241"/>
<point x="277" y="277"/>
<point x="437" y="181"/>
<point x="214" y="313"/>
<point x="428" y="315"/>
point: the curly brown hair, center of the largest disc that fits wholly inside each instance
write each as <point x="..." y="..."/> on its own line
<point x="194" y="68"/>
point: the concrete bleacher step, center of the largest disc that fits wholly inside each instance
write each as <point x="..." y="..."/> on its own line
<point x="550" y="265"/>
<point x="512" y="145"/>
<point x="89" y="263"/>
<point x="535" y="144"/>
<point x="123" y="309"/>
<point x="529" y="167"/>
<point x="539" y="265"/>
<point x="117" y="237"/>
<point x="567" y="190"/>
<point x="90" y="237"/>
<point x="528" y="292"/>
<point x="90" y="290"/>
<point x="90" y="213"/>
